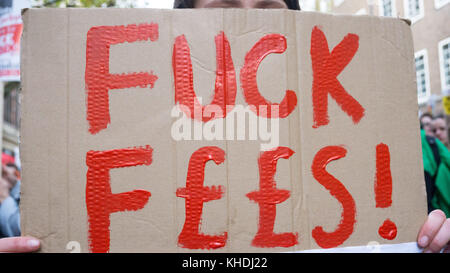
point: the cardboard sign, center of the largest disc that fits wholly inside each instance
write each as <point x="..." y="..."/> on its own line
<point x="218" y="130"/>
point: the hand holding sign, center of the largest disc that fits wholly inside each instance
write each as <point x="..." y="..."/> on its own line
<point x="339" y="175"/>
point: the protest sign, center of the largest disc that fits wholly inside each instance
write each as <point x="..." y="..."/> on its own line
<point x="221" y="130"/>
<point x="10" y="32"/>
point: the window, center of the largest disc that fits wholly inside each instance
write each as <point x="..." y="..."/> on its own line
<point x="308" y="5"/>
<point x="11" y="104"/>
<point x="387" y="8"/>
<point x="440" y="3"/>
<point x="422" y="75"/>
<point x="323" y="6"/>
<point x="444" y="61"/>
<point x="414" y="9"/>
<point x="337" y="3"/>
<point x="361" y="12"/>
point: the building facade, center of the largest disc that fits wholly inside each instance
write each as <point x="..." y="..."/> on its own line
<point x="11" y="118"/>
<point x="431" y="33"/>
<point x="10" y="33"/>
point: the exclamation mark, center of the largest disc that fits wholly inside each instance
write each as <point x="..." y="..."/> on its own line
<point x="383" y="189"/>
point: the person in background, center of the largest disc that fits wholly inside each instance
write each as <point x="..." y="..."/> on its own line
<point x="432" y="237"/>
<point x="440" y="129"/>
<point x="9" y="210"/>
<point x="426" y="124"/>
<point x="9" y="198"/>
<point x="436" y="163"/>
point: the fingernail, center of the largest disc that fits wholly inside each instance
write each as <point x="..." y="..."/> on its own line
<point x="428" y="251"/>
<point x="423" y="242"/>
<point x="33" y="243"/>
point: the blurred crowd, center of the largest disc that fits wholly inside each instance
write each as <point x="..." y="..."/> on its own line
<point x="435" y="126"/>
<point x="436" y="161"/>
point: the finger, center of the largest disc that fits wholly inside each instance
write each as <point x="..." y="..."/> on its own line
<point x="432" y="225"/>
<point x="19" y="244"/>
<point x="441" y="239"/>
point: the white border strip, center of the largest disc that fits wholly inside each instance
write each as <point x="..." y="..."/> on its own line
<point x="372" y="247"/>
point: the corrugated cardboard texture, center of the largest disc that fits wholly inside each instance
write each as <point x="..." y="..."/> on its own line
<point x="55" y="135"/>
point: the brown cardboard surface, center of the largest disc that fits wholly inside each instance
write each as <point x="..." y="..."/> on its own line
<point x="55" y="136"/>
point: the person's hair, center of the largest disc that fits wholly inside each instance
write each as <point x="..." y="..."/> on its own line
<point x="12" y="165"/>
<point x="189" y="4"/>
<point x="426" y="115"/>
<point x="439" y="116"/>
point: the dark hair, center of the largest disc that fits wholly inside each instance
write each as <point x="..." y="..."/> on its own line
<point x="440" y="115"/>
<point x="189" y="4"/>
<point x="426" y="114"/>
<point x="12" y="165"/>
